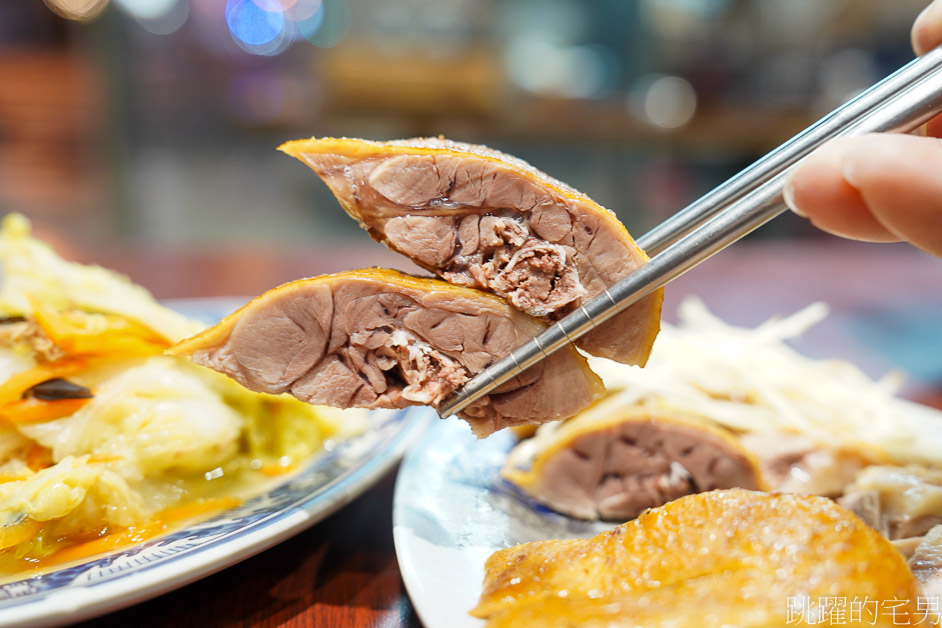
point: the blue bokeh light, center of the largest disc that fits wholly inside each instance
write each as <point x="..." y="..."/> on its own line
<point x="253" y="26"/>
<point x="308" y="27"/>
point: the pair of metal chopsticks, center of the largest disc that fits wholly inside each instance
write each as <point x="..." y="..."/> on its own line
<point x="901" y="102"/>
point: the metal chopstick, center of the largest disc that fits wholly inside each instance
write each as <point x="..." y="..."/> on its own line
<point x="911" y="104"/>
<point x="833" y="124"/>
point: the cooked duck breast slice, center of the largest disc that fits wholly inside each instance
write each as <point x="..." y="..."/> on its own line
<point x="480" y="218"/>
<point x="712" y="560"/>
<point x="613" y="462"/>
<point x="382" y="339"/>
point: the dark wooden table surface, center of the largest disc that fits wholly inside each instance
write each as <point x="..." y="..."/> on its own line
<point x="343" y="571"/>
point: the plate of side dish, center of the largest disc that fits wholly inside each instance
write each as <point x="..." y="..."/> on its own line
<point x="126" y="471"/>
<point x="288" y="504"/>
<point x="117" y="580"/>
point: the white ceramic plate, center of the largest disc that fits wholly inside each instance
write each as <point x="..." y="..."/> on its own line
<point x="116" y="580"/>
<point x="451" y="510"/>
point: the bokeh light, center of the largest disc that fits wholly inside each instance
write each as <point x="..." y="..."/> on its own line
<point x="274" y="6"/>
<point x="301" y="10"/>
<point x="147" y="9"/>
<point x="256" y="29"/>
<point x="539" y="63"/>
<point x="666" y="102"/>
<point x="78" y="10"/>
<point x="269" y="27"/>
<point x="308" y="26"/>
<point x="160" y="17"/>
<point x="566" y="20"/>
<point x="253" y="25"/>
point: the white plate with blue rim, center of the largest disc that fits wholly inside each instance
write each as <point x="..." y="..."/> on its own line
<point x="452" y="510"/>
<point x="116" y="580"/>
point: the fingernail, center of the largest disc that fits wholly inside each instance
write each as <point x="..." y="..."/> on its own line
<point x="788" y="193"/>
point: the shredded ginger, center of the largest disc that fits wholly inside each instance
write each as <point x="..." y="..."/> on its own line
<point x="749" y="380"/>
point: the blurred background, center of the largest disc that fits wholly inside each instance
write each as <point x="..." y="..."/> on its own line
<point x="157" y="120"/>
<point x="141" y="134"/>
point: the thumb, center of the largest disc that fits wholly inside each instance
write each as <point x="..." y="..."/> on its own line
<point x="879" y="187"/>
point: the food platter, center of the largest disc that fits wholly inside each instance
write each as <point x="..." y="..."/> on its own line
<point x="451" y="510"/>
<point x="330" y="480"/>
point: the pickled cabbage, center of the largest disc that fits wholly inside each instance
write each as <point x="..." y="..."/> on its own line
<point x="151" y="432"/>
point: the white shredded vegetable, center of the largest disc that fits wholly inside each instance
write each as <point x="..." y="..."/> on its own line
<point x="749" y="380"/>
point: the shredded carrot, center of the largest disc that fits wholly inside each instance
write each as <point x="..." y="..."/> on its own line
<point x="138" y="534"/>
<point x="16" y="533"/>
<point x="38" y="458"/>
<point x="86" y="347"/>
<point x="277" y="469"/>
<point x="107" y="543"/>
<point x="80" y="333"/>
<point x="198" y="508"/>
<point x="107" y="344"/>
<point x="32" y="410"/>
<point x="100" y="458"/>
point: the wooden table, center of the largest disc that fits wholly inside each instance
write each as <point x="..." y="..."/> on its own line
<point x="343" y="571"/>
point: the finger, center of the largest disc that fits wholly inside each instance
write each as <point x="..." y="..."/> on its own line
<point x="927" y="29"/>
<point x="816" y="188"/>
<point x="897" y="178"/>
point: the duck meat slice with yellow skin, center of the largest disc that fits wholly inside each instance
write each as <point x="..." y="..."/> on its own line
<point x="613" y="461"/>
<point x="724" y="558"/>
<point x="382" y="339"/>
<point x="480" y="218"/>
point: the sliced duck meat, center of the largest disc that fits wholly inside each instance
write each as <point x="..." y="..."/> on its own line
<point x="480" y="218"/>
<point x="795" y="463"/>
<point x="716" y="559"/>
<point x="381" y="339"/>
<point x="612" y="462"/>
<point x="910" y="498"/>
<point x="866" y="505"/>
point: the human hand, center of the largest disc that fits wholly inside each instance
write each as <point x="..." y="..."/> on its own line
<point x="878" y="187"/>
